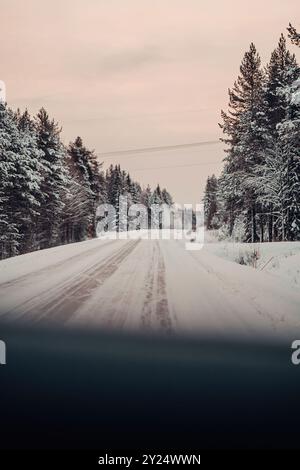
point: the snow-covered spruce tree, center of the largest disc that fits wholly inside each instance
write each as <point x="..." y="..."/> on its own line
<point x="136" y="193"/>
<point x="157" y="195"/>
<point x="119" y="183"/>
<point x="77" y="215"/>
<point x="281" y="73"/>
<point x="96" y="178"/>
<point x="129" y="189"/>
<point x="87" y="190"/>
<point x="146" y="198"/>
<point x="289" y="141"/>
<point x="28" y="135"/>
<point x="9" y="234"/>
<point x="277" y="183"/>
<point x="244" y="127"/>
<point x="291" y="130"/>
<point x="79" y="201"/>
<point x="133" y="191"/>
<point x="156" y="201"/>
<point x="125" y="191"/>
<point x="55" y="180"/>
<point x="20" y="182"/>
<point x="211" y="203"/>
<point x="97" y="185"/>
<point x="114" y="189"/>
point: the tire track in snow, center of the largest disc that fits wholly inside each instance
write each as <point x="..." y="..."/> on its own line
<point x="66" y="299"/>
<point x="52" y="267"/>
<point x="156" y="308"/>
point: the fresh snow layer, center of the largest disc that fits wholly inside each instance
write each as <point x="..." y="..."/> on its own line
<point x="281" y="259"/>
<point x="155" y="285"/>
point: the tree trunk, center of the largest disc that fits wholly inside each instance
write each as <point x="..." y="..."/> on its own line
<point x="254" y="234"/>
<point x="271" y="223"/>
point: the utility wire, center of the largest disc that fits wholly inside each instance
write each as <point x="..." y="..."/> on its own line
<point x="131" y="153"/>
<point x="176" y="166"/>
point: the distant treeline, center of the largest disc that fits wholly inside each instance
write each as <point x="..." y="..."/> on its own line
<point x="257" y="196"/>
<point x="49" y="193"/>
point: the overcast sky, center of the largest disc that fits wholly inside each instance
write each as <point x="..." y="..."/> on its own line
<point x="126" y="74"/>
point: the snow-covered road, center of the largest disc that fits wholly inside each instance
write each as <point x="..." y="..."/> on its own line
<point x="147" y="285"/>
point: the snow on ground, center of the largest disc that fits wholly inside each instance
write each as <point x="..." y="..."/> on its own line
<point x="156" y="285"/>
<point x="18" y="266"/>
<point x="281" y="259"/>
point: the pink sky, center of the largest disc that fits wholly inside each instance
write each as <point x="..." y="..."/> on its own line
<point x="125" y="74"/>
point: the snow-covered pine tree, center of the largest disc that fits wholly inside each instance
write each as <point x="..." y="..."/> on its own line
<point x="129" y="188"/>
<point x="33" y="178"/>
<point x="124" y="199"/>
<point x="49" y="195"/>
<point x="96" y="178"/>
<point x="80" y="199"/>
<point x="244" y="127"/>
<point x="55" y="180"/>
<point x="91" y="178"/>
<point x="157" y="195"/>
<point x="97" y="185"/>
<point x="76" y="215"/>
<point x="278" y="184"/>
<point x="114" y="189"/>
<point x="146" y="198"/>
<point x="20" y="181"/>
<point x="281" y="72"/>
<point x="136" y="193"/>
<point x="119" y="183"/>
<point x="289" y="141"/>
<point x="156" y="201"/>
<point x="292" y="127"/>
<point x="211" y="203"/>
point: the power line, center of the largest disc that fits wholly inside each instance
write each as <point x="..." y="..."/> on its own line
<point x="130" y="153"/>
<point x="176" y="166"/>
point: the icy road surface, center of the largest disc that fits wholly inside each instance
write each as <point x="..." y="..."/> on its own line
<point x="146" y="285"/>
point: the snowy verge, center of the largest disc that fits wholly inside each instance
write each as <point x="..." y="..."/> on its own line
<point x="281" y="259"/>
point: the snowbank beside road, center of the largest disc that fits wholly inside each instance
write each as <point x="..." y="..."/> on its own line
<point x="281" y="259"/>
